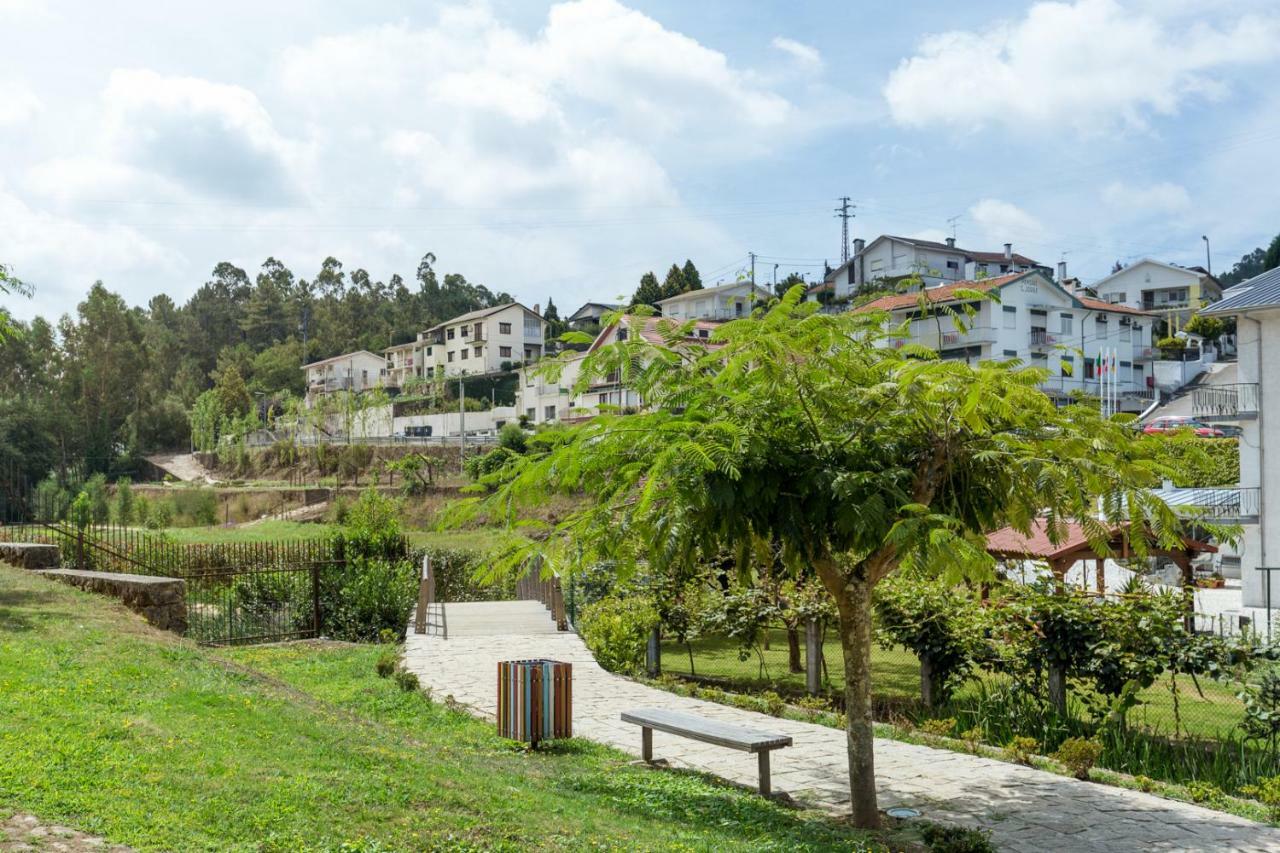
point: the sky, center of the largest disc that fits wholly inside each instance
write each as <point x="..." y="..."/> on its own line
<point x="561" y="150"/>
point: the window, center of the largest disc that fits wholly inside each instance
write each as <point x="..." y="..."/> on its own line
<point x="551" y="413"/>
<point x="531" y="412"/>
<point x="1011" y="353"/>
<point x="431" y="371"/>
<point x="449" y="334"/>
<point x="466" y="330"/>
<point x="1010" y="317"/>
<point x="504" y="352"/>
<point x="737" y="308"/>
<point x="603" y="399"/>
<point x="504" y="328"/>
<point x="532" y="326"/>
<point x="622" y="333"/>
<point x="465" y="353"/>
<point x="1067" y="365"/>
<point x="953" y="265"/>
<point x="451" y="356"/>
<point x="1064" y="324"/>
<point x="703" y="333"/>
<point x="477" y="352"/>
<point x="428" y="350"/>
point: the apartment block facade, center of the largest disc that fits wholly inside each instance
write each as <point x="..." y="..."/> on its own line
<point x="353" y="371"/>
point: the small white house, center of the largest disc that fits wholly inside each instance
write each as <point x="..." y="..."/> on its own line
<point x="354" y="371"/>
<point x="722" y="302"/>
<point x="1170" y="291"/>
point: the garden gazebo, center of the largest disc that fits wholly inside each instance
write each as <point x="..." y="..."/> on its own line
<point x="1066" y="543"/>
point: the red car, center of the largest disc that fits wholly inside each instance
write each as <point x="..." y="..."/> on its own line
<point x="1173" y="423"/>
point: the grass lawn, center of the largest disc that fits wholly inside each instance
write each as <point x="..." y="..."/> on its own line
<point x="896" y="676"/>
<point x="482" y="539"/>
<point x="145" y="739"/>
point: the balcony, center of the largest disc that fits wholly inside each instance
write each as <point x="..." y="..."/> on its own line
<point x="1225" y="402"/>
<point x="1227" y="506"/>
<point x="1146" y="354"/>
<point x="1041" y="341"/>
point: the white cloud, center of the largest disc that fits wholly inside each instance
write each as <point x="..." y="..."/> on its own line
<point x="1005" y="222"/>
<point x="1090" y="66"/>
<point x="18" y="102"/>
<point x="805" y="55"/>
<point x="1163" y="197"/>
<point x="214" y="138"/>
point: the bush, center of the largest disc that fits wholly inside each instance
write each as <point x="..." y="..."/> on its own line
<point x="366" y="596"/>
<point x="939" y="728"/>
<point x="99" y="499"/>
<point x="1267" y="792"/>
<point x="1204" y="792"/>
<point x="159" y="514"/>
<point x="123" y="508"/>
<point x="1079" y="755"/>
<point x="484" y="464"/>
<point x="512" y="437"/>
<point x="1144" y="783"/>
<point x="956" y="839"/>
<point x="407" y="681"/>
<point x="1021" y="749"/>
<point x="617" y="630"/>
<point x="196" y="506"/>
<point x="386" y="664"/>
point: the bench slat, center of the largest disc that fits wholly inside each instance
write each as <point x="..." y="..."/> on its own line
<point x="705" y="730"/>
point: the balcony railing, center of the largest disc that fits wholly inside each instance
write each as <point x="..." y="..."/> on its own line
<point x="1041" y="340"/>
<point x="1225" y="402"/>
<point x="1239" y="505"/>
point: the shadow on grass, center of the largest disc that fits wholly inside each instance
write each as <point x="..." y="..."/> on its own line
<point x="26" y="609"/>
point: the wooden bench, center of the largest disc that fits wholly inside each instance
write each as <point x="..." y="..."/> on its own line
<point x="707" y="731"/>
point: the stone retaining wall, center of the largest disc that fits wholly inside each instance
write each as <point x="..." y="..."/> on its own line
<point x="30" y="555"/>
<point x="161" y="601"/>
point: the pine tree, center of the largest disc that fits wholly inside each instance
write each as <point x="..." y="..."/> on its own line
<point x="675" y="283"/>
<point x="649" y="291"/>
<point x="1272" y="259"/>
<point x="692" y="278"/>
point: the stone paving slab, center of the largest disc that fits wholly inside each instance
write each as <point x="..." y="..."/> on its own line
<point x="1025" y="809"/>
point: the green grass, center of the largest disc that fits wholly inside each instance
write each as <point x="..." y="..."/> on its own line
<point x="896" y="679"/>
<point x="263" y="531"/>
<point x="150" y="741"/>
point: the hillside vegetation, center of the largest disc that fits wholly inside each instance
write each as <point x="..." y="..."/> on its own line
<point x="150" y="741"/>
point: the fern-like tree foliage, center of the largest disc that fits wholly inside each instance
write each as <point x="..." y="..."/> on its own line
<point x="9" y="284"/>
<point x="809" y="433"/>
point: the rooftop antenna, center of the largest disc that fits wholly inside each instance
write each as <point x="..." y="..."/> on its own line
<point x="952" y="220"/>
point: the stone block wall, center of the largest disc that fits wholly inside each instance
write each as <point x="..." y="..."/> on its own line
<point x="30" y="555"/>
<point x="161" y="601"/>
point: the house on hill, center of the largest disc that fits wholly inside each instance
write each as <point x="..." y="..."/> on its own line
<point x="1172" y="292"/>
<point x="354" y="371"/>
<point x="1033" y="319"/>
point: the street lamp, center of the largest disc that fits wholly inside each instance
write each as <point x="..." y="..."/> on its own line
<point x="1208" y="264"/>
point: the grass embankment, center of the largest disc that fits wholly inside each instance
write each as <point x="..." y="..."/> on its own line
<point x="150" y="741"/>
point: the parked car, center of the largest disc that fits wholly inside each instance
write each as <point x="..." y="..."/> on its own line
<point x="1173" y="423"/>
<point x="1230" y="430"/>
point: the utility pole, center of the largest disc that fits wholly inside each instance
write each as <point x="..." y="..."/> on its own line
<point x="775" y="278"/>
<point x="844" y="213"/>
<point x="753" y="266"/>
<point x="1208" y="262"/>
<point x="462" y="425"/>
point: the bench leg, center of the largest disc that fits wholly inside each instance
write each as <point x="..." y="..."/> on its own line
<point x="646" y="743"/>
<point x="766" y="782"/>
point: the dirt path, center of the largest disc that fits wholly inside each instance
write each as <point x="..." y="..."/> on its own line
<point x="184" y="466"/>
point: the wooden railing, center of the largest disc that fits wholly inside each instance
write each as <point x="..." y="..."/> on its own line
<point x="422" y="620"/>
<point x="534" y="587"/>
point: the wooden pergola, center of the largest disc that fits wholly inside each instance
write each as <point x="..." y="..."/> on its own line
<point x="1066" y="544"/>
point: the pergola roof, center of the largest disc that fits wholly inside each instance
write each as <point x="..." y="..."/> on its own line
<point x="1073" y="545"/>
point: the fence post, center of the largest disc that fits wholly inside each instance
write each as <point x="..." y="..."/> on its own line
<point x="653" y="654"/>
<point x="315" y="595"/>
<point x="812" y="664"/>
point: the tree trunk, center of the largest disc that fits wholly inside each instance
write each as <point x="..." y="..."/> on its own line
<point x="793" y="649"/>
<point x="855" y="640"/>
<point x="928" y="684"/>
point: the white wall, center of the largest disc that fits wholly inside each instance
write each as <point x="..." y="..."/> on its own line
<point x="1260" y="453"/>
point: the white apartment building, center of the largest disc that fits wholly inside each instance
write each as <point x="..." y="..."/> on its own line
<point x="354" y="371"/>
<point x="484" y="341"/>
<point x="543" y="400"/>
<point x="888" y="259"/>
<point x="722" y="302"/>
<point x="404" y="362"/>
<point x="1253" y="402"/>
<point x="1037" y="322"/>
<point x="1172" y="292"/>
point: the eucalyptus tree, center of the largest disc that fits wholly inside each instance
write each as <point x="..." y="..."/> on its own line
<point x="808" y="432"/>
<point x="9" y="283"/>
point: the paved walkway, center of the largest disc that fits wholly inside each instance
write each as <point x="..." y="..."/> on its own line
<point x="1025" y="809"/>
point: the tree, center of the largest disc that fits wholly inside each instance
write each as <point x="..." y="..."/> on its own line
<point x="1271" y="259"/>
<point x="856" y="458"/>
<point x="692" y="278"/>
<point x="9" y="284"/>
<point x="649" y="291"/>
<point x="675" y="283"/>
<point x="787" y="283"/>
<point x="1209" y="328"/>
<point x="1254" y="263"/>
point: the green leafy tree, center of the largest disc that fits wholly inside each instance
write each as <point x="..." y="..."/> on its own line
<point x="9" y="284"/>
<point x="857" y="458"/>
<point x="1209" y="328"/>
<point x="692" y="278"/>
<point x="649" y="291"/>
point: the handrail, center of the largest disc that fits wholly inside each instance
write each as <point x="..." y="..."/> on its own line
<point x="427" y="598"/>
<point x="546" y="591"/>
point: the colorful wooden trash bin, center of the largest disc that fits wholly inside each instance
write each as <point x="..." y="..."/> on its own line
<point x="535" y="700"/>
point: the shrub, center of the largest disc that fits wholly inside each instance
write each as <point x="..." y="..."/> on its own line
<point x="366" y="596"/>
<point x="774" y="704"/>
<point x="1021" y="749"/>
<point x="159" y="514"/>
<point x="939" y="728"/>
<point x="483" y="464"/>
<point x="617" y="629"/>
<point x="1267" y="792"/>
<point x="1204" y="792"/>
<point x="198" y="506"/>
<point x="1144" y="783"/>
<point x="512" y="437"/>
<point x="956" y="839"/>
<point x="936" y="622"/>
<point x="1079" y="755"/>
<point x="972" y="738"/>
<point x="99" y="499"/>
<point x="80" y="513"/>
<point x="123" y="508"/>
<point x="407" y="681"/>
<point x="386" y="664"/>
